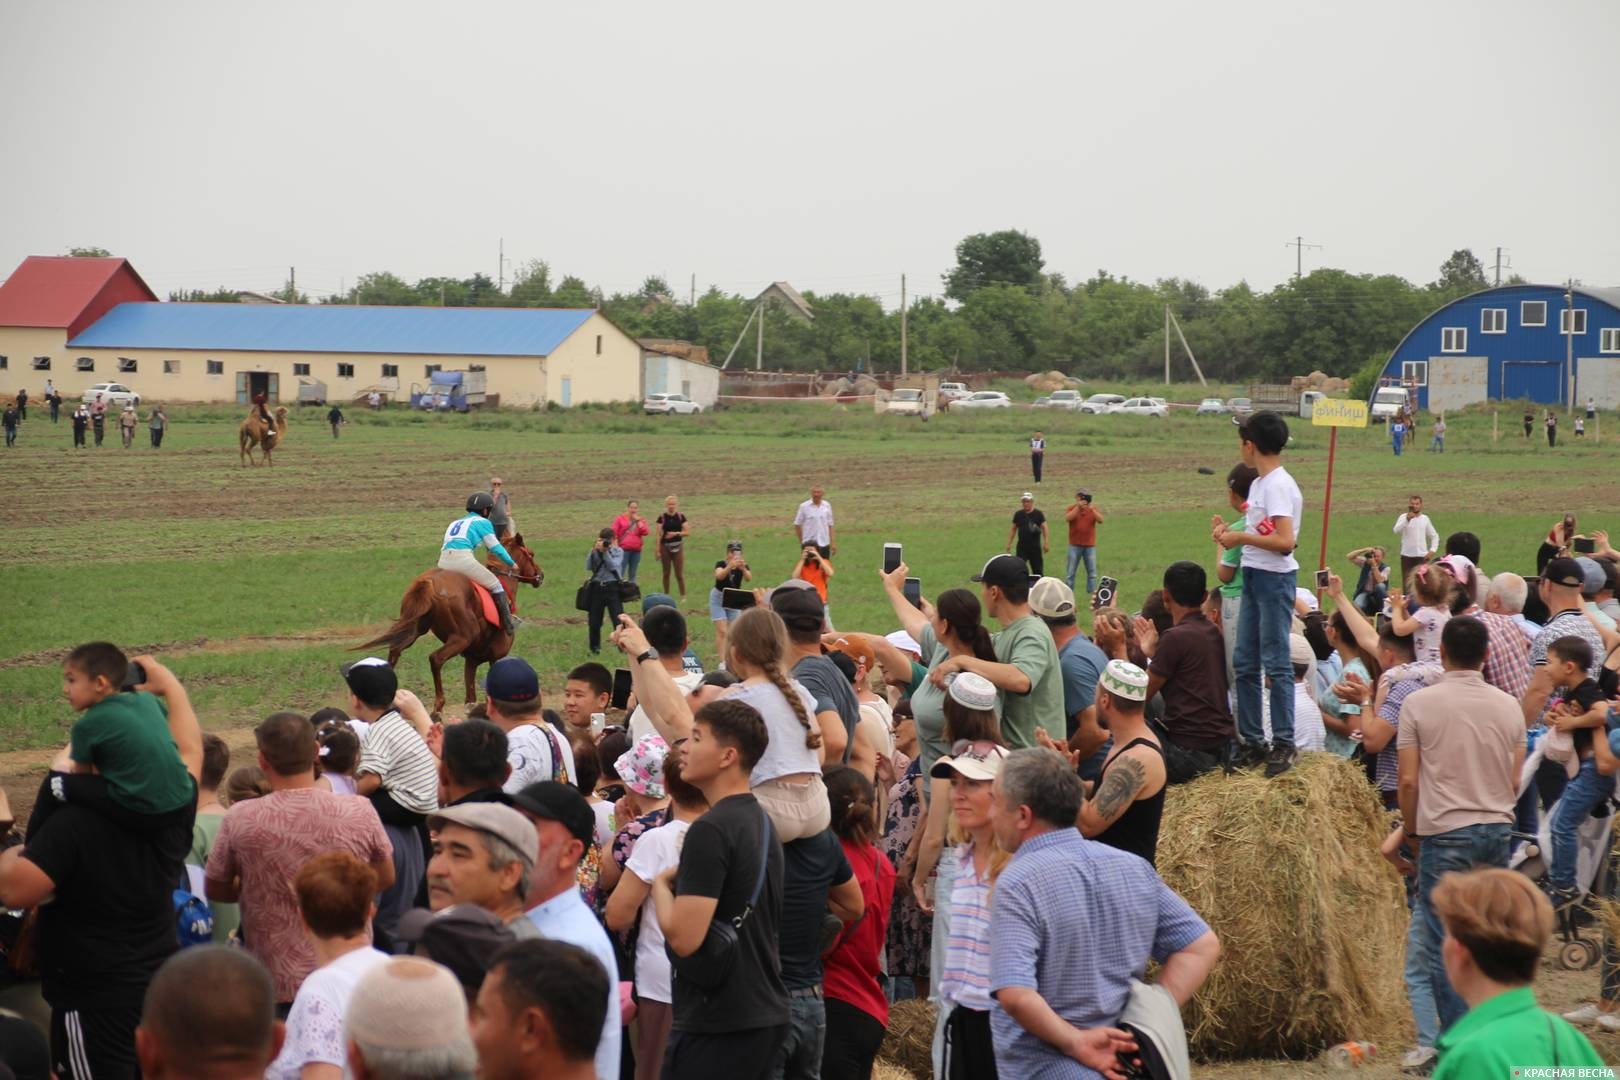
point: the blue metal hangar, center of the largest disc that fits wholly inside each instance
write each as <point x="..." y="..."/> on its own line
<point x="1540" y="343"/>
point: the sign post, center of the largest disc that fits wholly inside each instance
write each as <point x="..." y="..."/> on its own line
<point x="1334" y="413"/>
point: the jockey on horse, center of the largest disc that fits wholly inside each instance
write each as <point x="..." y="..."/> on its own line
<point x="465" y="536"/>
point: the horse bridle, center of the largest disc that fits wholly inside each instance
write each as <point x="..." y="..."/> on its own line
<point x="528" y="579"/>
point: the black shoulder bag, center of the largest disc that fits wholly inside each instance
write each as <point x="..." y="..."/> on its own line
<point x="711" y="964"/>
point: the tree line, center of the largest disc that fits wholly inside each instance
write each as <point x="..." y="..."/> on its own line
<point x="1000" y="308"/>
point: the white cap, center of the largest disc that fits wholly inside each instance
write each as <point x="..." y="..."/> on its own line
<point x="1309" y="597"/>
<point x="1123" y="679"/>
<point x="972" y="691"/>
<point x="904" y="642"/>
<point x="1027" y="495"/>
<point x="1300" y="651"/>
<point x="1052" y="598"/>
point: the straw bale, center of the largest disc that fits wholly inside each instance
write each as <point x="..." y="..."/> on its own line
<point x="882" y="1070"/>
<point x="1312" y="920"/>
<point x="909" y="1042"/>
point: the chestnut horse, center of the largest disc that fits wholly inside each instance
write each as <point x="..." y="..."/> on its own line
<point x="443" y="602"/>
<point x="251" y="433"/>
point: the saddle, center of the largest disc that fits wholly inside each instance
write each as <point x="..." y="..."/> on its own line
<point x="491" y="614"/>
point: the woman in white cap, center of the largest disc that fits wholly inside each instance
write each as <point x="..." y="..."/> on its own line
<point x="964" y="986"/>
<point x="970" y="717"/>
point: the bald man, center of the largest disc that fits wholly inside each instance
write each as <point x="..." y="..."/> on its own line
<point x="209" y="1014"/>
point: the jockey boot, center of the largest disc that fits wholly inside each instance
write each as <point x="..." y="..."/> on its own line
<point x="503" y="606"/>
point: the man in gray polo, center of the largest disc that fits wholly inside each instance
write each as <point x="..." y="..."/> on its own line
<point x="483" y="854"/>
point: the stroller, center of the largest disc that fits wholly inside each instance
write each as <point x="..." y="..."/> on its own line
<point x="1533" y="856"/>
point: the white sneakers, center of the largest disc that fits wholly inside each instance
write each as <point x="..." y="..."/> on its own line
<point x="1592" y="1016"/>
<point x="1418" y="1059"/>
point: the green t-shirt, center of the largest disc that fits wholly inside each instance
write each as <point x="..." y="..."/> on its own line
<point x="126" y="737"/>
<point x="227" y="917"/>
<point x="1027" y="644"/>
<point x="1233" y="557"/>
<point x="1510" y="1030"/>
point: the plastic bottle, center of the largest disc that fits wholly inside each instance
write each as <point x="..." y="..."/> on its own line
<point x="1350" y="1055"/>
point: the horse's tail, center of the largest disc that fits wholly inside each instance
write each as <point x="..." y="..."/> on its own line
<point x="417" y="602"/>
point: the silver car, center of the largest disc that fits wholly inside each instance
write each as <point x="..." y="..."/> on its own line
<point x="983" y="399"/>
<point x="1212" y="406"/>
<point x="1144" y="406"/>
<point x="113" y="394"/>
<point x="1102" y="403"/>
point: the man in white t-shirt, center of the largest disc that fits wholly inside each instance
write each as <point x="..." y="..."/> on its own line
<point x="665" y="629"/>
<point x="1268" y="538"/>
<point x="814" y="522"/>
<point x="535" y="750"/>
<point x="1419" y="540"/>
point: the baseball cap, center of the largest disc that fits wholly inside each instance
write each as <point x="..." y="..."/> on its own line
<point x="1566" y="572"/>
<point x="801" y="609"/>
<point x="734" y="545"/>
<point x="562" y="803"/>
<point x="462" y="937"/>
<point x="656" y="599"/>
<point x="857" y="650"/>
<point x="972" y="691"/>
<point x="512" y="679"/>
<point x="1595" y="578"/>
<point x="496" y="819"/>
<point x="1300" y="651"/>
<point x="1027" y="495"/>
<point x="1052" y="598"/>
<point x="371" y="679"/>
<point x="980" y="761"/>
<point x="1124" y="679"/>
<point x="1003" y="571"/>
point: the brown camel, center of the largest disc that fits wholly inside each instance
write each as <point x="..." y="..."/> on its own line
<point x="251" y="433"/>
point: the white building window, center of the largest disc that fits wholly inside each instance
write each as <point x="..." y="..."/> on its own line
<point x="1579" y="317"/>
<point x="42" y="363"/>
<point x="216" y="367"/>
<point x="300" y="369"/>
<point x="86" y="364"/>
<point x="126" y="365"/>
<point x="1493" y="320"/>
<point x="345" y="371"/>
<point x="1415" y="372"/>
<point x="390" y="371"/>
<point x="1533" y="313"/>
<point x="429" y="369"/>
<point x="1608" y="340"/>
<point x="171" y="367"/>
<point x="1454" y="339"/>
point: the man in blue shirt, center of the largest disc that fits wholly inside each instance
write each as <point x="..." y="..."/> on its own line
<point x="1082" y="663"/>
<point x="467" y="535"/>
<point x="1073" y="923"/>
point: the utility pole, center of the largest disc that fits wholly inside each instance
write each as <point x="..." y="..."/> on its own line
<point x="902" y="324"/>
<point x="1299" y="245"/>
<point x="292" y="284"/>
<point x="691" y="295"/>
<point x="1167" y="344"/>
<point x="759" y="340"/>
<point x="1498" y="266"/>
<point x="1569" y="339"/>
<point x="500" y="272"/>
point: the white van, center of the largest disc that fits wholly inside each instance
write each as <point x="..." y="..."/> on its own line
<point x="1388" y="402"/>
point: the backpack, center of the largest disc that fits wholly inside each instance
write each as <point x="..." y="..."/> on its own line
<point x="193" y="918"/>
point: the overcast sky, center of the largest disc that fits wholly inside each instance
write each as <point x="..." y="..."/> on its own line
<point x="833" y="145"/>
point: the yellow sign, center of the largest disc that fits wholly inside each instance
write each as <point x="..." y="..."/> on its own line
<point x="1337" y="412"/>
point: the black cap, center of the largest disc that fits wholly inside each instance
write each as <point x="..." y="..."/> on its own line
<point x="1565" y="572"/>
<point x="463" y="937"/>
<point x="800" y="609"/>
<point x="562" y="803"/>
<point x="372" y="681"/>
<point x="1004" y="571"/>
<point x="512" y="679"/>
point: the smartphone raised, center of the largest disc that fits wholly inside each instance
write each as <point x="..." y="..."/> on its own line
<point x="621" y="689"/>
<point x="135" y="675"/>
<point x="891" y="558"/>
<point x="1585" y="545"/>
<point x="1322" y="579"/>
<point x="913" y="592"/>
<point x="1104" y="597"/>
<point x="736" y="599"/>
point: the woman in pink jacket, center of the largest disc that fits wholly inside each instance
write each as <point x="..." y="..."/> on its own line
<point x="629" y="528"/>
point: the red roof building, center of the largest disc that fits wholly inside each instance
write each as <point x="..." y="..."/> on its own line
<point x="61" y="292"/>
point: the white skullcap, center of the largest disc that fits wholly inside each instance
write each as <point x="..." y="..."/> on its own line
<point x="409" y="1004"/>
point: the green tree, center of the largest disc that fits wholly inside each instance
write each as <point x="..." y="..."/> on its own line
<point x="1004" y="320"/>
<point x="1008" y="257"/>
<point x="384" y="289"/>
<point x="572" y="292"/>
<point x="531" y="285"/>
<point x="1460" y="275"/>
<point x="89" y="253"/>
<point x="440" y="292"/>
<point x="654" y="287"/>
<point x="220" y="295"/>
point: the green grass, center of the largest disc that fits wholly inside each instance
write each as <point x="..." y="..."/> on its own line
<point x="258" y="581"/>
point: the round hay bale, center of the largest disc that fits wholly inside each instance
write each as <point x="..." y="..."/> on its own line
<point x="882" y="1070"/>
<point x="1312" y="920"/>
<point x="908" y="1045"/>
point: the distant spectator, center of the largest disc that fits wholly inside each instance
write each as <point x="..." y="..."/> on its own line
<point x="407" y="1020"/>
<point x="537" y="1013"/>
<point x="630" y="529"/>
<point x="210" y="816"/>
<point x="673" y="530"/>
<point x="126" y="425"/>
<point x="500" y="516"/>
<point x="1029" y="533"/>
<point x="1083" y="519"/>
<point x="818" y="572"/>
<point x="80" y="420"/>
<point x="1372" y="582"/>
<point x="1229" y="562"/>
<point x="98" y="418"/>
<point x="1552" y="428"/>
<point x="209" y="1012"/>
<point x="263" y="843"/>
<point x="604" y="564"/>
<point x="8" y="420"/>
<point x="1419" y="540"/>
<point x="814" y="521"/>
<point x="732" y="572"/>
<point x="334" y="416"/>
<point x="1037" y="452"/>
<point x="157" y="424"/>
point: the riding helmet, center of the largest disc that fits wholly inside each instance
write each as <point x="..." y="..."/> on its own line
<point x="480" y="503"/>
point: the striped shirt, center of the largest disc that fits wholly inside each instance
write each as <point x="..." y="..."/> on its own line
<point x="966" y="980"/>
<point x="402" y="761"/>
<point x="1389" y="757"/>
<point x="1507" y="654"/>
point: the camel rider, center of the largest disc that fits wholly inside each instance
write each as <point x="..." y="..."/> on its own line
<point x="263" y="411"/>
<point x="464" y="537"/>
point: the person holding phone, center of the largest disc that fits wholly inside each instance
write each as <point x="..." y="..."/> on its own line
<point x="1560" y="542"/>
<point x="815" y="569"/>
<point x="630" y="528"/>
<point x="731" y="572"/>
<point x="605" y="564"/>
<point x="673" y="530"/>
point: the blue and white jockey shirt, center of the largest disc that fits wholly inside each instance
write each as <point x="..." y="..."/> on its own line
<point x="472" y="532"/>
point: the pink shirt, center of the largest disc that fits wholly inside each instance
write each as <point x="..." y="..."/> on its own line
<point x="629" y="535"/>
<point x="265" y="841"/>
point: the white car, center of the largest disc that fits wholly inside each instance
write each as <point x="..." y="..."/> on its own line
<point x="1143" y="406"/>
<point x="906" y="401"/>
<point x="983" y="399"/>
<point x="952" y="391"/>
<point x="1102" y="403"/>
<point x="1068" y="400"/>
<point x="113" y="394"/>
<point x="670" y="404"/>
<point x="1212" y="406"/>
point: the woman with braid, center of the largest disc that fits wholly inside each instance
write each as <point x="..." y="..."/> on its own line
<point x="787" y="779"/>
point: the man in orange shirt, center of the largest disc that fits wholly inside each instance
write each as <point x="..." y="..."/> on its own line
<point x="1083" y="519"/>
<point x="814" y="569"/>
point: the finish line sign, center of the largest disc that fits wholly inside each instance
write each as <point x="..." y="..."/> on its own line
<point x="1337" y="413"/>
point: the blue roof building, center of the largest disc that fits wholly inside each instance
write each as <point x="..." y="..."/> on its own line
<point x="1537" y="343"/>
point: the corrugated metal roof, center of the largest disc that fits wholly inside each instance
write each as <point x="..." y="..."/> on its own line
<point x="1610" y="296"/>
<point x="53" y="290"/>
<point x="334" y="328"/>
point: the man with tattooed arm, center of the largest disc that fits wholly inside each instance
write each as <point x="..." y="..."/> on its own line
<point x="1125" y="805"/>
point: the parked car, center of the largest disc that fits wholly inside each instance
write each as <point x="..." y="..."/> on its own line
<point x="1212" y="406"/>
<point x="1062" y="399"/>
<point x="1389" y="402"/>
<point x="905" y="402"/>
<point x="1039" y="403"/>
<point x="113" y="393"/>
<point x="1143" y="406"/>
<point x="952" y="391"/>
<point x="983" y="399"/>
<point x="1239" y="406"/>
<point x="670" y="405"/>
<point x="1101" y="403"/>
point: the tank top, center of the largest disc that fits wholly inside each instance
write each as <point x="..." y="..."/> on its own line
<point x="1137" y="829"/>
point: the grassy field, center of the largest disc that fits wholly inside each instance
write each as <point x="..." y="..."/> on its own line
<point x="259" y="581"/>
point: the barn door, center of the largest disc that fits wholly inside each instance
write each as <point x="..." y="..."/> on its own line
<point x="241" y="388"/>
<point x="275" y="387"/>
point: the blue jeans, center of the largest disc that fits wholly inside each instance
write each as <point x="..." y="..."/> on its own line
<point x="1089" y="555"/>
<point x="1264" y="623"/>
<point x="1438" y="445"/>
<point x="1459" y="849"/>
<point x="1584" y="793"/>
<point x="799" y="1056"/>
<point x="1397" y="443"/>
<point x="632" y="563"/>
<point x="1421" y="959"/>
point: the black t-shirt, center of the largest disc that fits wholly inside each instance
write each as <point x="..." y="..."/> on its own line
<point x="812" y="867"/>
<point x="720" y="858"/>
<point x="1029" y="524"/>
<point x="669" y="531"/>
<point x="112" y="922"/>
<point x="832" y="692"/>
<point x="732" y="580"/>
